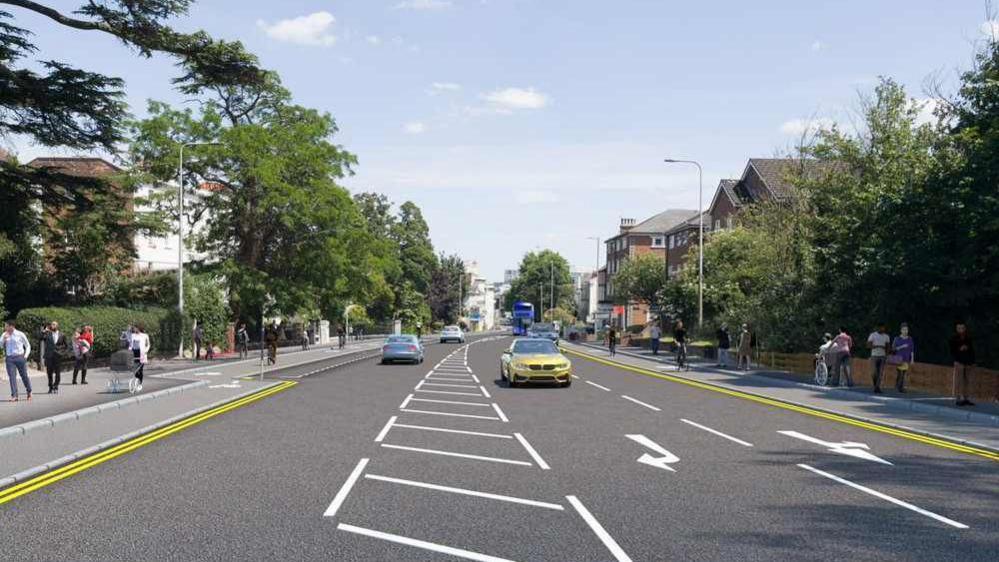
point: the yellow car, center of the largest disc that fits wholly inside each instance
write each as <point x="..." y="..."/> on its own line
<point x="535" y="360"/>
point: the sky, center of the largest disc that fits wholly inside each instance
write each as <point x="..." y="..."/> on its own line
<point x="519" y="125"/>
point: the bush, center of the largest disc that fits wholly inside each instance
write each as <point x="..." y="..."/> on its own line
<point x="145" y="289"/>
<point x="636" y="328"/>
<point x="108" y="323"/>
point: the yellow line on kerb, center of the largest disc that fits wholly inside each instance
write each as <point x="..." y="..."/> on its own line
<point x="48" y="478"/>
<point x="936" y="442"/>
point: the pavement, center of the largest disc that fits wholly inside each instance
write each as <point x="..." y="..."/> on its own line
<point x="442" y="461"/>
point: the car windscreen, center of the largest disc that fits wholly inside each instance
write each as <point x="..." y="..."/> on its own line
<point x="534" y="347"/>
<point x="401" y="339"/>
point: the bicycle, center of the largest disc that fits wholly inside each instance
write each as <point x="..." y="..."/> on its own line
<point x="821" y="370"/>
<point x="681" y="356"/>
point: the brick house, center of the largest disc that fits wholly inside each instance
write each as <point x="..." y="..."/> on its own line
<point x="634" y="239"/>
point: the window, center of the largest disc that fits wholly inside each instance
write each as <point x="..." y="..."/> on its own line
<point x="657" y="242"/>
<point x="729" y="221"/>
<point x="717" y="224"/>
<point x="672" y="241"/>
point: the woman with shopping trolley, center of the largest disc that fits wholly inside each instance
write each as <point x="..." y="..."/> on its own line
<point x="140" y="351"/>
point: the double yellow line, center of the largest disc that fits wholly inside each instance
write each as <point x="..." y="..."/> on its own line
<point x="912" y="436"/>
<point x="48" y="478"/>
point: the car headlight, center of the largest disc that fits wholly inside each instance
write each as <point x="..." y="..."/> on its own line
<point x="521" y="366"/>
<point x="564" y="365"/>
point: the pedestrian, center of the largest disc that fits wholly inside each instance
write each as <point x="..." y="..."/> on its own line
<point x="209" y="350"/>
<point x="655" y="334"/>
<point x="724" y="344"/>
<point x="271" y="338"/>
<point x="140" y="351"/>
<point x="903" y="355"/>
<point x="680" y="340"/>
<point x="305" y="338"/>
<point x="197" y="335"/>
<point x="612" y="340"/>
<point x="243" y="341"/>
<point x="844" y="355"/>
<point x="962" y="351"/>
<point x="81" y="355"/>
<point x="745" y="348"/>
<point x="17" y="348"/>
<point x="54" y="347"/>
<point x="341" y="335"/>
<point x="878" y="343"/>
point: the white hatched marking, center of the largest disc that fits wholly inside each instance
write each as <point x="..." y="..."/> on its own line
<point x="465" y="491"/>
<point x="447" y="384"/>
<point x="597" y="528"/>
<point x="433" y="547"/>
<point x="530" y="450"/>
<point x="405" y="402"/>
<point x="451" y="392"/>
<point x="385" y="430"/>
<point x="459" y="431"/>
<point x="345" y="489"/>
<point x="459" y="455"/>
<point x="500" y="413"/>
<point x="450" y="402"/>
<point x="432" y="413"/>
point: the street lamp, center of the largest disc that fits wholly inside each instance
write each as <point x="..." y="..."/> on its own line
<point x="700" y="236"/>
<point x="180" y="236"/>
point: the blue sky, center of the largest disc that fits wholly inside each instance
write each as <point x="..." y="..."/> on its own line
<point x="526" y="124"/>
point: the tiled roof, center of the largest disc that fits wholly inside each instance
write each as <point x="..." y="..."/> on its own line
<point x="691" y="223"/>
<point x="85" y="167"/>
<point x="662" y="222"/>
<point x="776" y="172"/>
<point x="728" y="187"/>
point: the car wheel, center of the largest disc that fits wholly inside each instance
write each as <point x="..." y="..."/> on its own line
<point x="567" y="383"/>
<point x="502" y="373"/>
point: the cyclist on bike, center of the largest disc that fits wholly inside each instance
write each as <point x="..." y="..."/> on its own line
<point x="824" y="359"/>
<point x="680" y="337"/>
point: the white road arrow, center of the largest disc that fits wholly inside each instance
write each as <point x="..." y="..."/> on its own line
<point x="663" y="462"/>
<point x="848" y="448"/>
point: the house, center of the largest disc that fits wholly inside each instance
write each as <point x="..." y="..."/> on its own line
<point x="680" y="239"/>
<point x="634" y="239"/>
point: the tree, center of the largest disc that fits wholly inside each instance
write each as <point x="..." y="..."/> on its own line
<point x="416" y="252"/>
<point x="448" y="284"/>
<point x="58" y="105"/>
<point x="204" y="302"/>
<point x="279" y="224"/>
<point x="641" y="279"/>
<point x="534" y="282"/>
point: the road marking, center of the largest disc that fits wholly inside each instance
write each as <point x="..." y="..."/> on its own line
<point x="434" y="547"/>
<point x="599" y="530"/>
<point x="848" y="448"/>
<point x="601" y="387"/>
<point x="500" y="413"/>
<point x="461" y="431"/>
<point x="419" y="384"/>
<point x="449" y="379"/>
<point x="640" y="403"/>
<point x="447" y="384"/>
<point x="574" y="376"/>
<point x="13" y="492"/>
<point x="910" y="435"/>
<point x="662" y="462"/>
<point x="534" y="454"/>
<point x="341" y="495"/>
<point x="718" y="433"/>
<point x="411" y="411"/>
<point x="459" y="455"/>
<point x="405" y="402"/>
<point x="450" y="402"/>
<point x="466" y="492"/>
<point x="385" y="430"/>
<point x="485" y="392"/>
<point x="476" y="379"/>
<point x="451" y="392"/>
<point x="886" y="497"/>
<point x="469" y="369"/>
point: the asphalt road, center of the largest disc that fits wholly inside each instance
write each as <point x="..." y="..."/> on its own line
<point x="373" y="462"/>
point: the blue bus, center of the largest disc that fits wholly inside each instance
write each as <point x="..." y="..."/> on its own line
<point x="523" y="317"/>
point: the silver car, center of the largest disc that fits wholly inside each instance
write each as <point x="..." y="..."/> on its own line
<point x="452" y="333"/>
<point x="404" y="347"/>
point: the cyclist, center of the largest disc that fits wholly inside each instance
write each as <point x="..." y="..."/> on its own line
<point x="680" y="337"/>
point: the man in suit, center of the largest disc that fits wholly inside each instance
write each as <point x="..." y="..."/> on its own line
<point x="54" y="347"/>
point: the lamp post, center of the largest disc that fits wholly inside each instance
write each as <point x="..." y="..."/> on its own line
<point x="700" y="236"/>
<point x="180" y="237"/>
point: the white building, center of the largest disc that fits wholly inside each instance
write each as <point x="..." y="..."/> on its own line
<point x="480" y="303"/>
<point x="159" y="253"/>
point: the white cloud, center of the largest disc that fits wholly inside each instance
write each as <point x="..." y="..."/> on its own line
<point x="313" y="29"/>
<point x="818" y="45"/>
<point x="990" y="29"/>
<point x="415" y="128"/>
<point x="423" y="5"/>
<point x="373" y="39"/>
<point x="535" y="197"/>
<point x="798" y="127"/>
<point x="443" y="87"/>
<point x="510" y="99"/>
<point x="926" y="107"/>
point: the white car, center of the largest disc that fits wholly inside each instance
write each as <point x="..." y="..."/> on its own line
<point x="452" y="333"/>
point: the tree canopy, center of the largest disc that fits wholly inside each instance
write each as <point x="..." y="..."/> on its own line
<point x="534" y="282"/>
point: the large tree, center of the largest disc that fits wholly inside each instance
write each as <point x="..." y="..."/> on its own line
<point x="641" y="279"/>
<point x="534" y="282"/>
<point x="416" y="252"/>
<point x="448" y="285"/>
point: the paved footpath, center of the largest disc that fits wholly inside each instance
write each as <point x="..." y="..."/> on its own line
<point x="930" y="415"/>
<point x="441" y="461"/>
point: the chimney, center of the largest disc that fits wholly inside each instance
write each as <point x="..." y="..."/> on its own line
<point x="626" y="225"/>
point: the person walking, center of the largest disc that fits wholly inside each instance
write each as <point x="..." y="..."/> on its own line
<point x="612" y="340"/>
<point x="724" y="344"/>
<point x="878" y="343"/>
<point x="680" y="340"/>
<point x="654" y="335"/>
<point x="962" y="352"/>
<point x="140" y="351"/>
<point x="17" y="348"/>
<point x="243" y="341"/>
<point x="197" y="335"/>
<point x="341" y="335"/>
<point x="843" y="345"/>
<point x="903" y="355"/>
<point x="54" y="347"/>
<point x="271" y="338"/>
<point x="81" y="355"/>
<point x="745" y="348"/>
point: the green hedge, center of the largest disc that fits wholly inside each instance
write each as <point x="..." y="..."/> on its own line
<point x="162" y="325"/>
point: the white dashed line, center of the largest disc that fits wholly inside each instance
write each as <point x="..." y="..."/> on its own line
<point x="640" y="403"/>
<point x="345" y="489"/>
<point x="601" y="387"/>
<point x="433" y="547"/>
<point x="718" y="433"/>
<point x="485" y="392"/>
<point x="597" y="528"/>
<point x="465" y="492"/>
<point x="459" y="455"/>
<point x="432" y="413"/>
<point x="447" y="384"/>
<point x="385" y="430"/>
<point x="534" y="454"/>
<point x="451" y="392"/>
<point x="405" y="402"/>
<point x="500" y="413"/>
<point x="459" y="431"/>
<point x="450" y="402"/>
